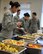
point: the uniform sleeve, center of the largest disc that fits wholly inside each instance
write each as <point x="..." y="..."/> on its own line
<point x="29" y="23"/>
<point x="38" y="23"/>
<point x="15" y="18"/>
<point x="22" y="22"/>
<point x="8" y="22"/>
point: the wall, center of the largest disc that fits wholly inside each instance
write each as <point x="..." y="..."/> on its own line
<point x="0" y="10"/>
<point x="36" y="6"/>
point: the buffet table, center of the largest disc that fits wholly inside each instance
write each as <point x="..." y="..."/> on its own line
<point x="26" y="44"/>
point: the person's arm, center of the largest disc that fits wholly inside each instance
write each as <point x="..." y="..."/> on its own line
<point x="22" y="22"/>
<point x="38" y="24"/>
<point x="15" y="19"/>
<point x="29" y="23"/>
<point x="8" y="22"/>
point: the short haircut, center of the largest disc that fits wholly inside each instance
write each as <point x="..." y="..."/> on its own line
<point x="18" y="10"/>
<point x="34" y="13"/>
<point x="16" y="4"/>
<point x="26" y="14"/>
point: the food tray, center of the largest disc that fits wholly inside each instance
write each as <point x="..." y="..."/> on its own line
<point x="28" y="37"/>
<point x="39" y="48"/>
<point x="25" y="43"/>
<point x="29" y="40"/>
<point x="20" y="50"/>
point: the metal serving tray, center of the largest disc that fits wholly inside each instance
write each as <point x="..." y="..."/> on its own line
<point x="20" y="50"/>
<point x="39" y="40"/>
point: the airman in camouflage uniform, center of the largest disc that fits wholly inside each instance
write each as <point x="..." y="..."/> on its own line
<point x="34" y="24"/>
<point x="25" y="22"/>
